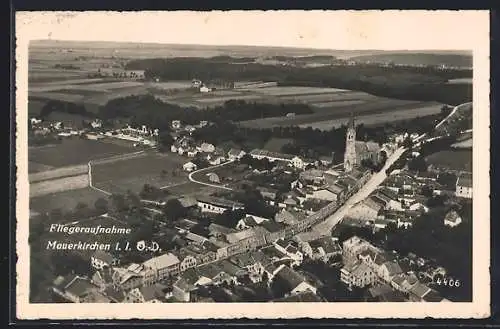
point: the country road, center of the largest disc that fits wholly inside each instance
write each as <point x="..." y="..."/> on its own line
<point x="190" y="176"/>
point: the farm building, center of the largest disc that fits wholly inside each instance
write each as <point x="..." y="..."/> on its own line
<point x="189" y="166"/>
<point x="294" y="160"/>
<point x="217" y="205"/>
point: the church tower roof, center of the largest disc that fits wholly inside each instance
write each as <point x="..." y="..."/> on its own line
<point x="351" y="123"/>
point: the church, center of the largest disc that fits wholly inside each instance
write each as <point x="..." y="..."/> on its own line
<point x="357" y="151"/>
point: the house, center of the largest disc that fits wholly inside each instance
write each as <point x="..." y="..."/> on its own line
<point x="235" y="154"/>
<point x="253" y="263"/>
<point x="452" y="219"/>
<point x="384" y="293"/>
<point x="250" y="221"/>
<point x="128" y="278"/>
<point x="289" y="217"/>
<point x="353" y="247"/>
<point x="189" y="166"/>
<point x="206" y="148"/>
<point x="160" y="267"/>
<point x="101" y="259"/>
<point x="294" y="282"/>
<point x="176" y="124"/>
<point x="204" y="89"/>
<point x="192" y="153"/>
<point x="186" y="285"/>
<point x="322" y="249"/>
<point x="291" y="249"/>
<point x="216" y="160"/>
<point x="404" y="282"/>
<point x="273" y="230"/>
<point x="322" y="194"/>
<point x="357" y="274"/>
<point x="219" y="231"/>
<point x="217" y="205"/>
<point x="215" y="274"/>
<point x="295" y="161"/>
<point x="388" y="198"/>
<point x="367" y="209"/>
<point x="388" y="270"/>
<point x="268" y="194"/>
<point x="418" y="292"/>
<point x="74" y="288"/>
<point x="103" y="278"/>
<point x="338" y="190"/>
<point x="418" y="206"/>
<point x="147" y="294"/>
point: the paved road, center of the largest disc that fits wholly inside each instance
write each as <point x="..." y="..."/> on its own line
<point x="325" y="227"/>
<point x="208" y="169"/>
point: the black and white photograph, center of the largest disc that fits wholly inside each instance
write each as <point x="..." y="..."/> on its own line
<point x="253" y="158"/>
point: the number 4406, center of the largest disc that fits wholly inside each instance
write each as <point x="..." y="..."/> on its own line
<point x="450" y="282"/>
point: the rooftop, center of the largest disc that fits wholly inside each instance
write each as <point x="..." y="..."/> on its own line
<point x="220" y="202"/>
<point x="163" y="261"/>
<point x="291" y="277"/>
<point x="269" y="154"/>
<point x="465" y="180"/>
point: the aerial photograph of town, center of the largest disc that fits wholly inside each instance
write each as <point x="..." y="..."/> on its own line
<point x="167" y="173"/>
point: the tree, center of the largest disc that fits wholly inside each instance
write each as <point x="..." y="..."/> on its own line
<point x="418" y="164"/>
<point x="174" y="210"/>
<point x="427" y="191"/>
<point x="447" y="179"/>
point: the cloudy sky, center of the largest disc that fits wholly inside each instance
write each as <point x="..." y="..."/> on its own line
<point x="312" y="29"/>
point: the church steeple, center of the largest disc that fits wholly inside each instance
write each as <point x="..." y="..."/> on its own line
<point x="351" y="124"/>
<point x="350" y="158"/>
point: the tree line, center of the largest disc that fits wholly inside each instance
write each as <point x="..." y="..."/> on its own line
<point x="412" y="83"/>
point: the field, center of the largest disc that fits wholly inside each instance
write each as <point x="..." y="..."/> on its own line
<point x="369" y="112"/>
<point x="74" y="151"/>
<point x="452" y="159"/>
<point x="131" y="174"/>
<point x="66" y="200"/>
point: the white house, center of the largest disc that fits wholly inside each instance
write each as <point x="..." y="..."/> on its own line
<point x="189" y="166"/>
<point x="216" y="160"/>
<point x="452" y="219"/>
<point x="176" y="124"/>
<point x="192" y="153"/>
<point x="101" y="259"/>
<point x="235" y="154"/>
<point x="204" y="89"/>
<point x="298" y="163"/>
<point x="464" y="186"/>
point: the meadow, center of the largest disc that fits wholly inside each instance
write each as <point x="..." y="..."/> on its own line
<point x="131" y="174"/>
<point x="75" y="151"/>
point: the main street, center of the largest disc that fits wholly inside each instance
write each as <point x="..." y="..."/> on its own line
<point x="325" y="227"/>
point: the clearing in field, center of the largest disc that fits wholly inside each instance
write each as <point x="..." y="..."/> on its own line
<point x="131" y="174"/>
<point x="74" y="151"/>
<point x="460" y="160"/>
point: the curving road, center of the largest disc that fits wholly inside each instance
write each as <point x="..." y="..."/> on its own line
<point x="190" y="176"/>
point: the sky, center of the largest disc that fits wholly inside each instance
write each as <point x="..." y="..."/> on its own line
<point x="386" y="30"/>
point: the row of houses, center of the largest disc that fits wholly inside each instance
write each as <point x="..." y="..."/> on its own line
<point x="368" y="266"/>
